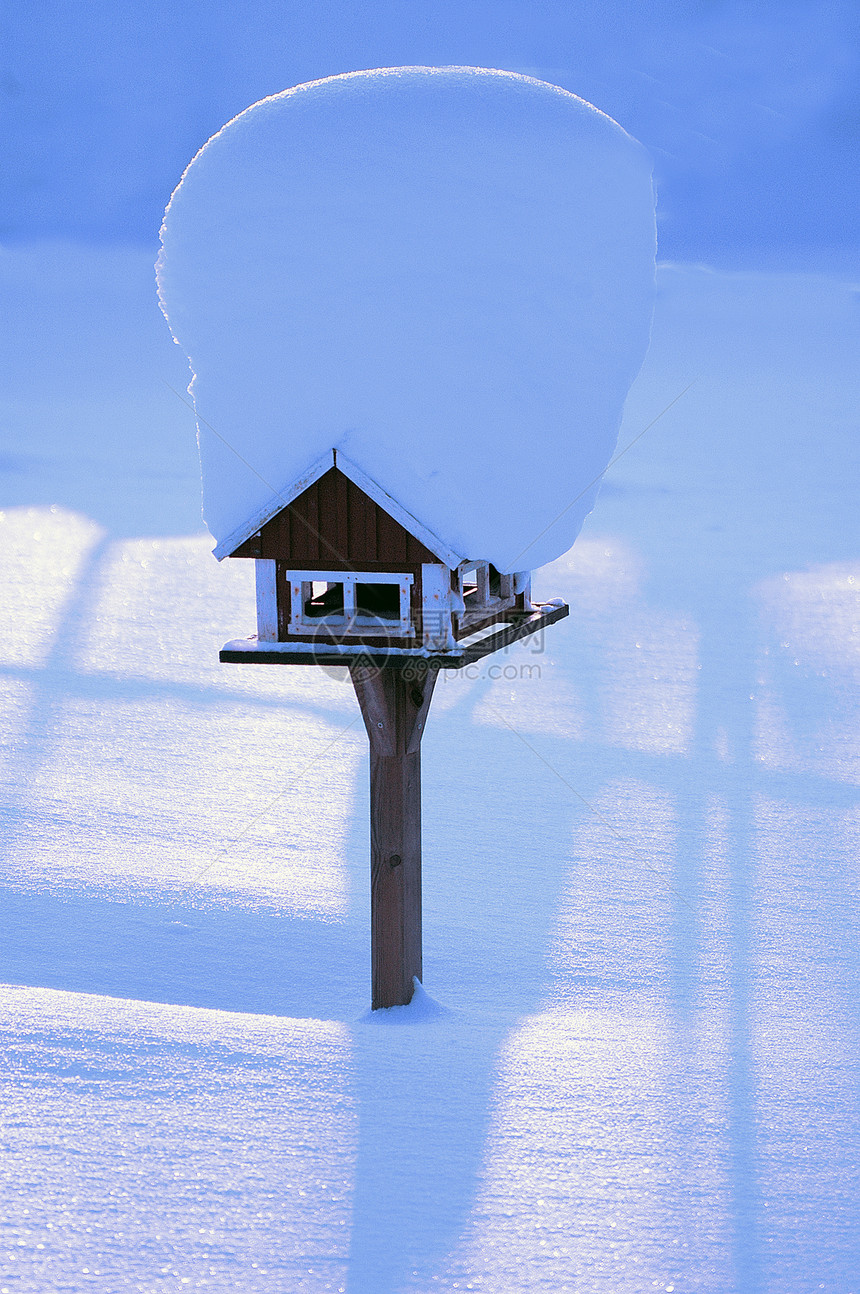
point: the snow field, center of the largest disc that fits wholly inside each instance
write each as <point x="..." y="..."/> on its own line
<point x="640" y="885"/>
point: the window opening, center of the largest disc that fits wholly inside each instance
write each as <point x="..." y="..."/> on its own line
<point x="357" y="602"/>
<point x="325" y="599"/>
<point x="382" y="600"/>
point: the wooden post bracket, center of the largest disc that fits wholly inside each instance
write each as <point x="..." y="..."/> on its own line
<point x="394" y="705"/>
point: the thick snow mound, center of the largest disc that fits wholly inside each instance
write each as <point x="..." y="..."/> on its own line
<point x="445" y="272"/>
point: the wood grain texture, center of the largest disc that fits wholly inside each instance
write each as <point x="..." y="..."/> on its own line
<point x="335" y="524"/>
<point x="394" y="705"/>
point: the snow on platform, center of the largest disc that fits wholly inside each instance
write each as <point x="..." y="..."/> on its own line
<point x="503" y="633"/>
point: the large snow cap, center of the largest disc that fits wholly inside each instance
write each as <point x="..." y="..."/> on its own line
<point x="444" y="273"/>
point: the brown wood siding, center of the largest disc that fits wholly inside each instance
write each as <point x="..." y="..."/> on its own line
<point x="335" y="525"/>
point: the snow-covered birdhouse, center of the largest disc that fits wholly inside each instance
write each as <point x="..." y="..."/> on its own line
<point x="413" y="301"/>
<point x="339" y="561"/>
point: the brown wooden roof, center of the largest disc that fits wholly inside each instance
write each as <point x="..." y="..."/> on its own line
<point x="334" y="525"/>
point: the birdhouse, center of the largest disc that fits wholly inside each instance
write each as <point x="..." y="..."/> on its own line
<point x="339" y="563"/>
<point x="413" y="300"/>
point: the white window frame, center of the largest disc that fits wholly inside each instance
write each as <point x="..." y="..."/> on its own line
<point x="301" y="590"/>
<point x="484" y="601"/>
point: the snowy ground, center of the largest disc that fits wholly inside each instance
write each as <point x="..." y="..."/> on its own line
<point x="641" y="856"/>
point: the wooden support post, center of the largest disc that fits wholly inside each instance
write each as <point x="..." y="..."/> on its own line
<point x="394" y="705"/>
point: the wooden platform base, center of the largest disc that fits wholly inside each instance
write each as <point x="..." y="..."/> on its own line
<point x="248" y="651"/>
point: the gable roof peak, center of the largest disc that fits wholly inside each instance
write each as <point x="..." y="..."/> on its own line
<point x="334" y="458"/>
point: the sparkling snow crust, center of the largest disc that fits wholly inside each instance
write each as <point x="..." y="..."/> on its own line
<point x="447" y="273"/>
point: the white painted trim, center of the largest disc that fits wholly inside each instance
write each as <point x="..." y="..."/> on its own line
<point x="357" y="577"/>
<point x="436" y="607"/>
<point x="301" y="582"/>
<point x="273" y="506"/>
<point x="267" y="601"/>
